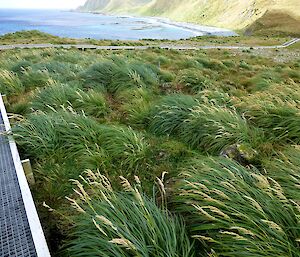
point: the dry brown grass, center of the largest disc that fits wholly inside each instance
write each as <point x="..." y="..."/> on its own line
<point x="275" y="23"/>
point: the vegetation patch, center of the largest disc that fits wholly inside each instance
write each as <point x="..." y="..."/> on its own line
<point x="220" y="127"/>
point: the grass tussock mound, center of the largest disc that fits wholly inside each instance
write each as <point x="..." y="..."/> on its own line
<point x="58" y="96"/>
<point x="276" y="111"/>
<point x="64" y="134"/>
<point x="123" y="223"/>
<point x="204" y="126"/>
<point x="10" y="84"/>
<point x="115" y="75"/>
<point x="234" y="211"/>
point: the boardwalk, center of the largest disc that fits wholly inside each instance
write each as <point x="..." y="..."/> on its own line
<point x="162" y="46"/>
<point x="21" y="234"/>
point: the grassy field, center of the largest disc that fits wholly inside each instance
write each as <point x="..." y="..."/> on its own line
<point x="160" y="152"/>
<point x="37" y="37"/>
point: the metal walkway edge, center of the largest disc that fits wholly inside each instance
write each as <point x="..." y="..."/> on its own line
<point x="21" y="234"/>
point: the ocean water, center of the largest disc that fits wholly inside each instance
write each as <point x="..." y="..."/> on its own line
<point x="98" y="26"/>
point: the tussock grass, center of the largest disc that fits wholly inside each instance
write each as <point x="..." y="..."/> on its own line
<point x="194" y="80"/>
<point x="116" y="75"/>
<point x="211" y="64"/>
<point x="65" y="134"/>
<point x="48" y="172"/>
<point x="10" y="83"/>
<point x="234" y="211"/>
<point x="285" y="168"/>
<point x="204" y="126"/>
<point x="55" y="96"/>
<point x="32" y="78"/>
<point x="277" y="114"/>
<point x="170" y="113"/>
<point x="136" y="105"/>
<point x="61" y="71"/>
<point x="212" y="128"/>
<point x="125" y="223"/>
<point x="89" y="109"/>
<point x="58" y="96"/>
<point x="92" y="103"/>
<point x="264" y="80"/>
<point x="20" y="66"/>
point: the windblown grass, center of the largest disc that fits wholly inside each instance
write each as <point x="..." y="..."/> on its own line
<point x="125" y="223"/>
<point x="203" y="126"/>
<point x="91" y="103"/>
<point x="285" y="168"/>
<point x="275" y="112"/>
<point x="234" y="211"/>
<point x="58" y="96"/>
<point x="10" y="84"/>
<point x="55" y="96"/>
<point x="170" y="113"/>
<point x="148" y="112"/>
<point x="194" y="81"/>
<point x="212" y="128"/>
<point x="32" y="78"/>
<point x="116" y="75"/>
<point x="136" y="105"/>
<point x="70" y="135"/>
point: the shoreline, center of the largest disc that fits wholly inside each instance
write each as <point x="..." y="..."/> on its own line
<point x="205" y="30"/>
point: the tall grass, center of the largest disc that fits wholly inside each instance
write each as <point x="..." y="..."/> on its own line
<point x="53" y="176"/>
<point x="59" y="70"/>
<point x="59" y="96"/>
<point x="212" y="64"/>
<point x="136" y="105"/>
<point x="10" y="84"/>
<point x="69" y="135"/>
<point x="194" y="80"/>
<point x="54" y="96"/>
<point x="278" y="113"/>
<point x="80" y="107"/>
<point x="204" y="126"/>
<point x="91" y="103"/>
<point x="32" y="78"/>
<point x="212" y="128"/>
<point x="125" y="223"/>
<point x="170" y="113"/>
<point x="285" y="168"/>
<point x="116" y="75"/>
<point x="234" y="211"/>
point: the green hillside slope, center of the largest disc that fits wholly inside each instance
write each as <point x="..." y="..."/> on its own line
<point x="233" y="14"/>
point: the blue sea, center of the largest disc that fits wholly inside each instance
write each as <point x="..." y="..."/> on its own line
<point x="98" y="26"/>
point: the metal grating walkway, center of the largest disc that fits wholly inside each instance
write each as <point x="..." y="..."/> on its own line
<point x="17" y="227"/>
<point x="15" y="238"/>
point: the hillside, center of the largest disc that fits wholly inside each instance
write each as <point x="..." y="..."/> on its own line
<point x="275" y="23"/>
<point x="112" y="6"/>
<point x="93" y="5"/>
<point x="233" y="14"/>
